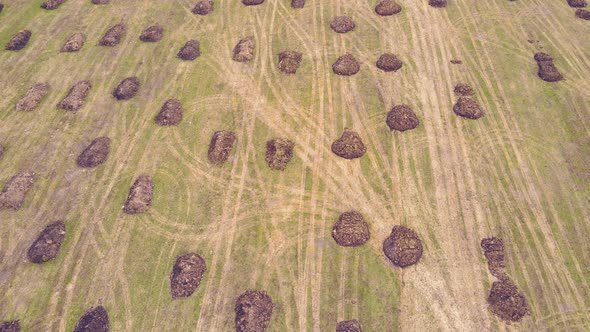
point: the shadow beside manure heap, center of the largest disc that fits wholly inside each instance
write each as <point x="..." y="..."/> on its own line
<point x="15" y="190"/>
<point x="186" y="275"/>
<point x="346" y="65"/>
<point x="583" y="14"/>
<point x="253" y="311"/>
<point x="289" y="61"/>
<point x="76" y="97"/>
<point x="170" y="114"/>
<point x="403" y="247"/>
<point x="279" y="152"/>
<point x="11" y="326"/>
<point x="349" y="145"/>
<point x="94" y="320"/>
<point x="402" y="118"/>
<point x="74" y="43"/>
<point x="52" y="4"/>
<point x="437" y="3"/>
<point x="221" y="144"/>
<point x="387" y="8"/>
<point x="140" y="196"/>
<point x="127" y="89"/>
<point x="342" y="24"/>
<point x="95" y="154"/>
<point x="203" y="7"/>
<point x="244" y="50"/>
<point x="113" y="35"/>
<point x="19" y="41"/>
<point x="351" y="229"/>
<point x="389" y="62"/>
<point x="48" y="244"/>
<point x="297" y="4"/>
<point x="352" y="325"/>
<point x="547" y="70"/>
<point x="190" y="51"/>
<point x="152" y="34"/>
<point x="577" y="3"/>
<point x="32" y="98"/>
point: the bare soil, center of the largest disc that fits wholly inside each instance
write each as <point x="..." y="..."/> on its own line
<point x="389" y="62"/>
<point x="351" y="229"/>
<point x="468" y="108"/>
<point x="507" y="302"/>
<point x="52" y="4"/>
<point x="402" y="118"/>
<point x="127" y="89"/>
<point x="152" y="34"/>
<point x="349" y="145"/>
<point x="140" y="195"/>
<point x="403" y="247"/>
<point x="95" y="154"/>
<point x="114" y="35"/>
<point x="387" y="8"/>
<point x="279" y="152"/>
<point x="48" y="244"/>
<point x="244" y="50"/>
<point x="547" y="70"/>
<point x="253" y="311"/>
<point x="352" y="325"/>
<point x="74" y="43"/>
<point x="11" y="326"/>
<point x="190" y="51"/>
<point x="289" y="61"/>
<point x="76" y="97"/>
<point x="346" y="65"/>
<point x="203" y="7"/>
<point x="186" y="275"/>
<point x="94" y="320"/>
<point x="342" y="24"/>
<point x="221" y="144"/>
<point x="32" y="98"/>
<point x="15" y="190"/>
<point x="19" y="41"/>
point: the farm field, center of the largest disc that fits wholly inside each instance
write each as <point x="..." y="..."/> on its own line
<point x="520" y="173"/>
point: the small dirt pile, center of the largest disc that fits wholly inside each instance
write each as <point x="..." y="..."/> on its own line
<point x="127" y="89"/>
<point x="100" y="2"/>
<point x="140" y="196"/>
<point x="114" y="35"/>
<point x="152" y="34"/>
<point x="403" y="247"/>
<point x="252" y="2"/>
<point x="32" y="98"/>
<point x="507" y="302"/>
<point x="76" y="97"/>
<point x="583" y="14"/>
<point x="547" y="71"/>
<point x="95" y="154"/>
<point x="203" y="7"/>
<point x="279" y="152"/>
<point x="349" y="145"/>
<point x="170" y="114"/>
<point x="74" y="43"/>
<point x="12" y="326"/>
<point x="186" y="275"/>
<point x="15" y="190"/>
<point x="387" y="8"/>
<point x="346" y="65"/>
<point x="468" y="108"/>
<point x="244" y="50"/>
<point x="352" y="325"/>
<point x="342" y="24"/>
<point x="253" y="311"/>
<point x="289" y="61"/>
<point x="463" y="89"/>
<point x="297" y="4"/>
<point x="351" y="229"/>
<point x="94" y="320"/>
<point x="19" y="41"/>
<point x="437" y="3"/>
<point x="402" y="118"/>
<point x="190" y="51"/>
<point x="221" y="144"/>
<point x="52" y="4"/>
<point x="577" y="3"/>
<point x="493" y="249"/>
<point x="389" y="62"/>
<point x="47" y="245"/>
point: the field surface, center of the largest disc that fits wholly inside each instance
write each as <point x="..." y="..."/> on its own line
<point x="521" y="173"/>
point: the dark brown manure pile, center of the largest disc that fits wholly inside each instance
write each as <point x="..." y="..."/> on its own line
<point x="15" y="190"/>
<point x="493" y="249"/>
<point x="463" y="89"/>
<point x="253" y="311"/>
<point x="190" y="51"/>
<point x="387" y="8"/>
<point x="577" y="3"/>
<point x="346" y="65"/>
<point x="583" y="14"/>
<point x="47" y="245"/>
<point x="127" y="89"/>
<point x="279" y="152"/>
<point x="547" y="70"/>
<point x="100" y="2"/>
<point x="203" y="7"/>
<point x="95" y="154"/>
<point x="14" y="325"/>
<point x="221" y="144"/>
<point x="351" y="229"/>
<point x="349" y="145"/>
<point x="76" y="97"/>
<point x="437" y="3"/>
<point x="74" y="43"/>
<point x="52" y="4"/>
<point x="244" y="50"/>
<point x="402" y="118"/>
<point x="289" y="61"/>
<point x="403" y="247"/>
<point x="352" y="325"/>
<point x="342" y="24"/>
<point x="114" y="35"/>
<point x="507" y="302"/>
<point x="19" y="41"/>
<point x="297" y="4"/>
<point x="468" y="108"/>
<point x="389" y="62"/>
<point x="32" y="98"/>
<point x="186" y="275"/>
<point x="94" y="320"/>
<point x="140" y="196"/>
<point x="170" y="114"/>
<point x="252" y="2"/>
<point x="152" y="34"/>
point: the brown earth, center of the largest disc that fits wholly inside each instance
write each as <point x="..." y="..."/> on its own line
<point x="437" y="3"/>
<point x="221" y="144"/>
<point x="74" y="43"/>
<point x="33" y="97"/>
<point x="297" y="4"/>
<point x="19" y="41"/>
<point x="403" y="247"/>
<point x="52" y="4"/>
<point x="389" y="62"/>
<point x="279" y="152"/>
<point x="186" y="275"/>
<point x="12" y="326"/>
<point x="506" y="301"/>
<point x="387" y="8"/>
<point x="253" y="311"/>
<point x="289" y="61"/>
<point x="100" y="2"/>
<point x="351" y="229"/>
<point x="170" y="114"/>
<point x="577" y="3"/>
<point x="493" y="249"/>
<point x="547" y="70"/>
<point x="152" y="34"/>
<point x="140" y="195"/>
<point x="127" y="89"/>
<point x="342" y="24"/>
<point x="463" y="89"/>
<point x="203" y="7"/>
<point x="346" y="65"/>
<point x="47" y="245"/>
<point x="94" y="320"/>
<point x="352" y="325"/>
<point x="15" y="190"/>
<point x="95" y="154"/>
<point x="349" y="145"/>
<point x="76" y="97"/>
<point x="402" y="118"/>
<point x="252" y="2"/>
<point x="113" y="35"/>
<point x="244" y="50"/>
<point x="190" y="51"/>
<point x="468" y="108"/>
<point x="583" y="14"/>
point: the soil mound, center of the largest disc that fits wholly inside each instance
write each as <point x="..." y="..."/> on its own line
<point x="493" y="249"/>
<point x="113" y="35"/>
<point x="190" y="51"/>
<point x="351" y="229"/>
<point x="279" y="152"/>
<point x="468" y="108"/>
<point x="506" y="301"/>
<point x="76" y="97"/>
<point x="19" y="41"/>
<point x="547" y="71"/>
<point x="52" y="4"/>
<point x="297" y="4"/>
<point x="47" y="245"/>
<point x="289" y="61"/>
<point x="437" y="3"/>
<point x="95" y="154"/>
<point x="463" y="89"/>
<point x="33" y="97"/>
<point x="403" y="247"/>
<point x="12" y="326"/>
<point x="74" y="43"/>
<point x="203" y="7"/>
<point x="349" y="326"/>
<point x="253" y="311"/>
<point x="342" y="24"/>
<point x="402" y="118"/>
<point x="186" y="275"/>
<point x="577" y="3"/>
<point x="94" y="320"/>
<point x="152" y="34"/>
<point x="140" y="195"/>
<point x="389" y="62"/>
<point x="221" y="144"/>
<point x="583" y="14"/>
<point x="127" y="89"/>
<point x="387" y="8"/>
<point x="349" y="145"/>
<point x="346" y="65"/>
<point x="170" y="113"/>
<point x="100" y="2"/>
<point x="252" y="2"/>
<point x="244" y="50"/>
<point x="15" y="190"/>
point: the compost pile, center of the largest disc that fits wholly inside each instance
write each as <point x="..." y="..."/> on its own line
<point x="403" y="247"/>
<point x="221" y="144"/>
<point x="47" y="245"/>
<point x="186" y="275"/>
<point x="349" y="145"/>
<point x="402" y="118"/>
<point x="94" y="320"/>
<point x="279" y="152"/>
<point x="351" y="229"/>
<point x="95" y="154"/>
<point x="253" y="311"/>
<point x="140" y="195"/>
